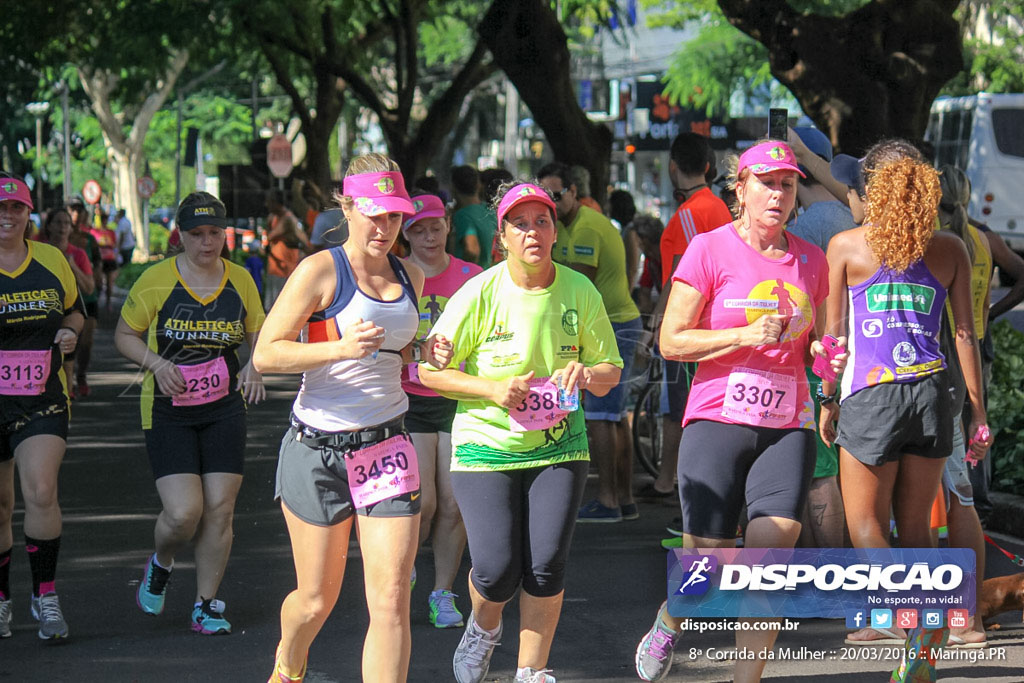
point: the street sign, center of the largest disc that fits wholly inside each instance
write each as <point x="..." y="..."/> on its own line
<point x="92" y="192"/>
<point x="279" y="156"/>
<point x="146" y="186"/>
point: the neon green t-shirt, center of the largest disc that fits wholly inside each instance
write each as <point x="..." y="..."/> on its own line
<point x="500" y="330"/>
<point x="592" y="240"/>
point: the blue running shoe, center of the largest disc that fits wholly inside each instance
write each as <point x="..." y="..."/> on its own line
<point x="152" y="589"/>
<point x="597" y="513"/>
<point x="208" y="618"/>
<point x="443" y="612"/>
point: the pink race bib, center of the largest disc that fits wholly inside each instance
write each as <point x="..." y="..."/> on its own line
<point x="383" y="470"/>
<point x="24" y="373"/>
<point x="539" y="410"/>
<point x="760" y="398"/>
<point x="204" y="383"/>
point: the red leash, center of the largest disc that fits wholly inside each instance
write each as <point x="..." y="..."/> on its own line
<point x="1016" y="559"/>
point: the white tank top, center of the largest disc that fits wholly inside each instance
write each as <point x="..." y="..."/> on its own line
<point x="354" y="394"/>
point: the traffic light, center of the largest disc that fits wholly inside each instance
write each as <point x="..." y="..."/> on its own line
<point x="630" y="150"/>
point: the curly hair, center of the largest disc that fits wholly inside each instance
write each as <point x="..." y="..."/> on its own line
<point x="903" y="201"/>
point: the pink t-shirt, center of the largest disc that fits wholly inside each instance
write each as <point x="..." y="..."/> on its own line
<point x="436" y="292"/>
<point x="762" y="385"/>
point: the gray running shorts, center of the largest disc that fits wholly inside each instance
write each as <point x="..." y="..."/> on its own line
<point x="880" y="423"/>
<point x="313" y="483"/>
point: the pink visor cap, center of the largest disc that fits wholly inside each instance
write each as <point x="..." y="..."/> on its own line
<point x="425" y="206"/>
<point x="13" y="190"/>
<point x="767" y="157"/>
<point x="378" y="193"/>
<point x="524" y="192"/>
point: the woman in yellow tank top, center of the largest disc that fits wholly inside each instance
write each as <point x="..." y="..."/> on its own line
<point x="962" y="517"/>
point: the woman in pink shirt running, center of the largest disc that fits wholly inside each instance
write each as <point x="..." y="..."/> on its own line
<point x="746" y="304"/>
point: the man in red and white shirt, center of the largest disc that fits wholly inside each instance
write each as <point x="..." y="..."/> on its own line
<point x="699" y="211"/>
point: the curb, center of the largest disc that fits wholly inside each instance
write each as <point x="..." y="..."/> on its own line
<point x="1007" y="514"/>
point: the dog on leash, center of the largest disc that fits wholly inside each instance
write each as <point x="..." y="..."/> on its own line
<point x="1001" y="594"/>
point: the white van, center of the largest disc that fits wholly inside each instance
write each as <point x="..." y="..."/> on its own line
<point x="984" y="136"/>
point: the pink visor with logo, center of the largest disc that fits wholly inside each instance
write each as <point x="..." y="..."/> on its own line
<point x="524" y="192"/>
<point x="13" y="190"/>
<point x="425" y="206"/>
<point x="767" y="157"/>
<point x="378" y="193"/>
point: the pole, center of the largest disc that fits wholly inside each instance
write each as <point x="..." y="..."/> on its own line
<point x="68" y="181"/>
<point x="511" y="127"/>
<point x="39" y="163"/>
<point x="177" y="151"/>
<point x="255" y="129"/>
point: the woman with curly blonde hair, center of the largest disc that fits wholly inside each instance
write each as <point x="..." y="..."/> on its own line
<point x="888" y="284"/>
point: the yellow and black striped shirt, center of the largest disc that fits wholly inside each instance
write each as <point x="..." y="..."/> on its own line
<point x="34" y="299"/>
<point x="188" y="330"/>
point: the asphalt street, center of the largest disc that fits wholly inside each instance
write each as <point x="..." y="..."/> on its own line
<point x="616" y="581"/>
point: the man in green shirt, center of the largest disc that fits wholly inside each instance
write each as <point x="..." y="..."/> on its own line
<point x="589" y="243"/>
<point x="474" y="221"/>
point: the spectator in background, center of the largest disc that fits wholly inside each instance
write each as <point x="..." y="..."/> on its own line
<point x="474" y="223"/>
<point x="699" y="211"/>
<point x="330" y="228"/>
<point x="581" y="179"/>
<point x="81" y="237"/>
<point x="490" y="180"/>
<point x="106" y="238"/>
<point x="621" y="210"/>
<point x="125" y="237"/>
<point x="254" y="264"/>
<point x="588" y="242"/>
<point x="648" y="230"/>
<point x="823" y="215"/>
<point x="286" y="239"/>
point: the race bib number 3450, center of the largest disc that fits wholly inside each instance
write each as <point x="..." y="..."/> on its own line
<point x="383" y="470"/>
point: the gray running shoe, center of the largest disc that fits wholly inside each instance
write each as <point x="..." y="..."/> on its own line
<point x="6" y="615"/>
<point x="535" y="676"/>
<point x="654" y="653"/>
<point x="473" y="655"/>
<point x="46" y="610"/>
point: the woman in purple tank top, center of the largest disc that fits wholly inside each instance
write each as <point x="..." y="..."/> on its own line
<point x="888" y="282"/>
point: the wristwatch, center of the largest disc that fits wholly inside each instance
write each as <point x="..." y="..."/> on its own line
<point x="825" y="399"/>
<point x="417" y="351"/>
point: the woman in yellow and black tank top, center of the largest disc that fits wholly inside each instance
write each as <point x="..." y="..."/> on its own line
<point x="182" y="323"/>
<point x="41" y="317"/>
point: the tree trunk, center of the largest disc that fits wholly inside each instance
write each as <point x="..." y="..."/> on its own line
<point x="125" y="151"/>
<point x="864" y="76"/>
<point x="528" y="43"/>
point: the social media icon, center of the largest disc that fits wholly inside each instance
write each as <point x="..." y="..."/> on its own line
<point x="958" y="618"/>
<point x="932" y="618"/>
<point x="881" y="618"/>
<point x="906" y="618"/>
<point x="855" y="618"/>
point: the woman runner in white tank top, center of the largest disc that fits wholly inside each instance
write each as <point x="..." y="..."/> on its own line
<point x="346" y="319"/>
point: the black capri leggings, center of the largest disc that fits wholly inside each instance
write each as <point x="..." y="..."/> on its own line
<point x="722" y="465"/>
<point x="519" y="524"/>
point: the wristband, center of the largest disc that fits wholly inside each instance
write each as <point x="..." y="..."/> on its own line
<point x="825" y="399"/>
<point x="73" y="330"/>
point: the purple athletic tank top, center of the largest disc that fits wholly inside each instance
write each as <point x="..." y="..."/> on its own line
<point x="894" y="328"/>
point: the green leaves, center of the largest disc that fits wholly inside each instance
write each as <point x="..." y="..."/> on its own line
<point x="1006" y="408"/>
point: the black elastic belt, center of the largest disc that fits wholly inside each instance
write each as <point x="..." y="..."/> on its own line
<point x="315" y="438"/>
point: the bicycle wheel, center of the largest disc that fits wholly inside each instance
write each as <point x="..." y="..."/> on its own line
<point x="647" y="434"/>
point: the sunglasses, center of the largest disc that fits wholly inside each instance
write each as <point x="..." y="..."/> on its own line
<point x="557" y="196"/>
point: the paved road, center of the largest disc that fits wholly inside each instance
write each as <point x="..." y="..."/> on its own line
<point x="616" y="574"/>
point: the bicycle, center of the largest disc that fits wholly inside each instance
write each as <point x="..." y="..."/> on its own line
<point x="647" y="416"/>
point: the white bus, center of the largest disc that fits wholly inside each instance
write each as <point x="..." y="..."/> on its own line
<point x="984" y="136"/>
